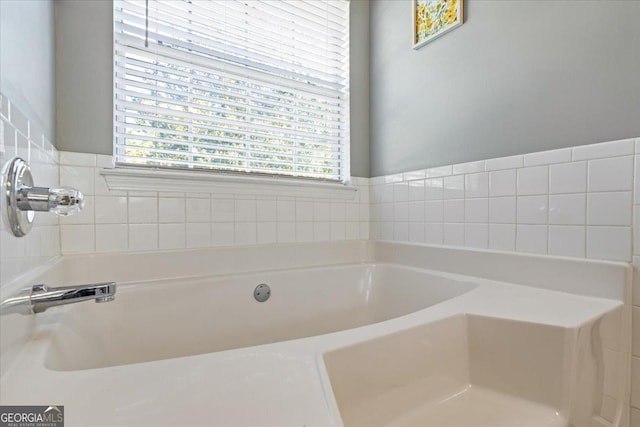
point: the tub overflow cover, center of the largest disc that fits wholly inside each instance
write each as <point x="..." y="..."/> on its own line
<point x="262" y="292"/>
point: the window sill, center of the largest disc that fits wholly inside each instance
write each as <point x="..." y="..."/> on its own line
<point x="143" y="179"/>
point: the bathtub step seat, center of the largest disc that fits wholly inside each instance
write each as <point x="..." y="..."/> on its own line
<point x="475" y="371"/>
<point x="479" y="406"/>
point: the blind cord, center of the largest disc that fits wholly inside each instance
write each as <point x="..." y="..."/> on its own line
<point x="146" y="24"/>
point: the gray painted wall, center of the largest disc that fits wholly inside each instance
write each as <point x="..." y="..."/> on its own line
<point x="84" y="78"/>
<point x="84" y="58"/>
<point x="517" y="77"/>
<point x="359" y="87"/>
<point x="27" y="60"/>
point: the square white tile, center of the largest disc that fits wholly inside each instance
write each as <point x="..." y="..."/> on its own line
<point x="338" y="211"/>
<point x="304" y="211"/>
<point x="245" y="210"/>
<point x="476" y="185"/>
<point x="416" y="211"/>
<point x="78" y="177"/>
<point x="352" y="212"/>
<point x="434" y="189"/>
<point x="198" y="234"/>
<point x="245" y="233"/>
<point x="198" y="210"/>
<point x="172" y="236"/>
<point x="531" y="238"/>
<point x="502" y="210"/>
<point x="454" y="210"/>
<point x="400" y="192"/>
<point x="568" y="178"/>
<point x="433" y="211"/>
<point x="77" y="239"/>
<point x="533" y="180"/>
<point x="111" y="237"/>
<point x="433" y="234"/>
<point x="453" y="234"/>
<point x="502" y="183"/>
<point x="416" y="190"/>
<point x="286" y="210"/>
<point x="110" y="210"/>
<point x="338" y="230"/>
<point x="401" y="231"/>
<point x="416" y="232"/>
<point x="222" y="234"/>
<point x="304" y="231"/>
<point x="454" y="187"/>
<point x="476" y="210"/>
<point x="567" y="209"/>
<point x="476" y="235"/>
<point x="386" y="212"/>
<point x="401" y="211"/>
<point x="614" y="174"/>
<point x="171" y="210"/>
<point x="321" y="211"/>
<point x="143" y="237"/>
<point x="567" y="240"/>
<point x="532" y="210"/>
<point x="609" y="208"/>
<point x="142" y="210"/>
<point x="502" y="237"/>
<point x="286" y="232"/>
<point x="387" y="193"/>
<point x="267" y="232"/>
<point x="222" y="210"/>
<point x="610" y="243"/>
<point x="321" y="231"/>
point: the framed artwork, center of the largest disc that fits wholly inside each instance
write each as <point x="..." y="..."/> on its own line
<point x="433" y="18"/>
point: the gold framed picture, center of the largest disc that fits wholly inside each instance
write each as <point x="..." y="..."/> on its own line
<point x="433" y="18"/>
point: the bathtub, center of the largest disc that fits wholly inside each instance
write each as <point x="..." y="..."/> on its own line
<point x="220" y="313"/>
<point x="354" y="333"/>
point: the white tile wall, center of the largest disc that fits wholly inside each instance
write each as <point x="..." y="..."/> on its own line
<point x="579" y="202"/>
<point x="134" y="221"/>
<point x="574" y="201"/>
<point x="20" y="137"/>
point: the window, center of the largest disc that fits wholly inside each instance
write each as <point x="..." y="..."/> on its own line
<point x="247" y="86"/>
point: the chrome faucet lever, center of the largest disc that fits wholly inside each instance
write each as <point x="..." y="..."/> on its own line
<point x="38" y="298"/>
<point x="23" y="199"/>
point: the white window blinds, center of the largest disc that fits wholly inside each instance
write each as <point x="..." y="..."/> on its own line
<point x="234" y="85"/>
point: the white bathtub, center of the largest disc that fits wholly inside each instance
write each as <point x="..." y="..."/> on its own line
<point x="174" y="318"/>
<point x="354" y="334"/>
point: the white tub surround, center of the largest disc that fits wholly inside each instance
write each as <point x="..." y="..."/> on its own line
<point x="432" y="332"/>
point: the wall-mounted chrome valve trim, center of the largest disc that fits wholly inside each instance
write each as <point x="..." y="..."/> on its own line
<point x="38" y="298"/>
<point x="23" y="199"/>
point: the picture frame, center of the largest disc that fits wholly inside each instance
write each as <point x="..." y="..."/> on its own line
<point x="434" y="18"/>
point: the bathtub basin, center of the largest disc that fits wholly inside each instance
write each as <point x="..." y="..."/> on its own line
<point x="212" y="314"/>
